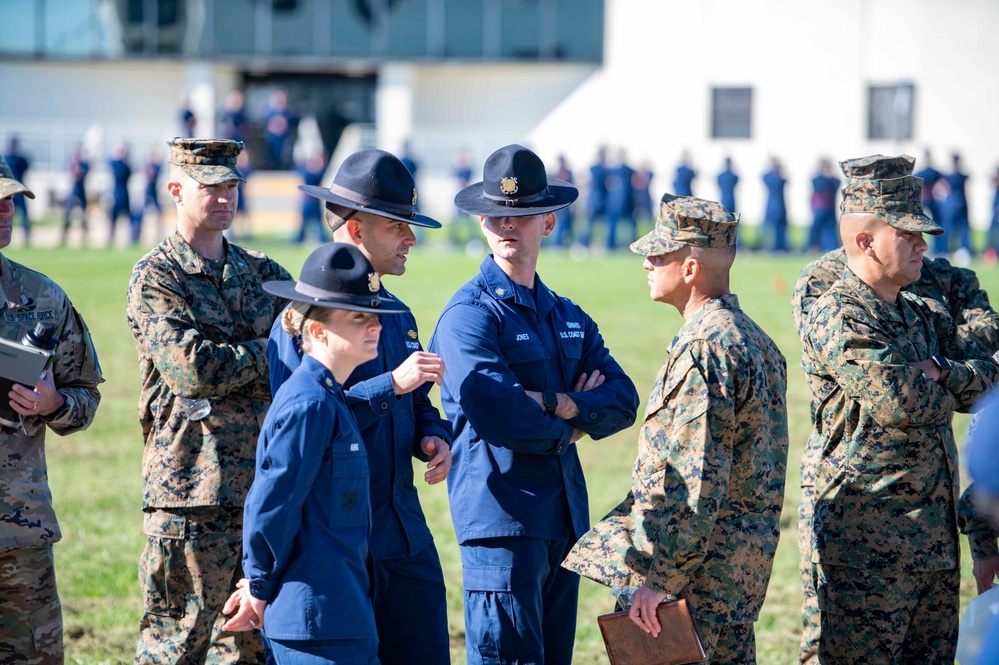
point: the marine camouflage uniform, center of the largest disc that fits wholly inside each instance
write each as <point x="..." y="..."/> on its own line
<point x="199" y="334"/>
<point x="30" y="612"/>
<point x="959" y="291"/>
<point x="702" y="519"/>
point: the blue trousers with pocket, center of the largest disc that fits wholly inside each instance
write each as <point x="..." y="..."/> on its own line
<point x="520" y="604"/>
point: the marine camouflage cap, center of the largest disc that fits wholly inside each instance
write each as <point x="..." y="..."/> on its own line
<point x="8" y="185"/>
<point x="208" y="161"/>
<point x="687" y="221"/>
<point x="885" y="186"/>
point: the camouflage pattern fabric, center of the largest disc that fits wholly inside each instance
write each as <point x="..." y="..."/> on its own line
<point x="199" y="338"/>
<point x="886" y="471"/>
<point x="199" y="335"/>
<point x="688" y="221"/>
<point x="190" y="565"/>
<point x="30" y="612"/>
<point x="26" y="298"/>
<point x="959" y="291"/>
<point x="702" y="519"/>
<point x="880" y="618"/>
<point x="728" y="643"/>
<point x="208" y="161"/>
<point x="886" y="187"/>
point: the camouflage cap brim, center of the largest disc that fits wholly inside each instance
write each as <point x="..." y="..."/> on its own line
<point x="653" y="244"/>
<point x="211" y="174"/>
<point x="910" y="222"/>
<point x="9" y="186"/>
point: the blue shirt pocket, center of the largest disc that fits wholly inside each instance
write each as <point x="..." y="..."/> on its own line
<point x="349" y="495"/>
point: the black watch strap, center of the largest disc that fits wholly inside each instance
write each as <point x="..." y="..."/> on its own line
<point x="941" y="363"/>
<point x="549" y="399"/>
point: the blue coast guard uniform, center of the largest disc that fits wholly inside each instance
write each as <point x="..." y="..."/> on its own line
<point x="307" y="517"/>
<point x="516" y="488"/>
<point x="408" y="579"/>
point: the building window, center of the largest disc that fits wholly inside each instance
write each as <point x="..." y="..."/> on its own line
<point x="889" y="113"/>
<point x="731" y="113"/>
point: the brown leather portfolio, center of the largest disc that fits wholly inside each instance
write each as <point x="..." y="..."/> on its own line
<point x="678" y="643"/>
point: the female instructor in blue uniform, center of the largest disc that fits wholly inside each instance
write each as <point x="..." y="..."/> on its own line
<point x="308" y="513"/>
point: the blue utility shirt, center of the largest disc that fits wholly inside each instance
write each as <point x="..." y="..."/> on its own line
<point x="515" y="472"/>
<point x="391" y="441"/>
<point x="307" y="515"/>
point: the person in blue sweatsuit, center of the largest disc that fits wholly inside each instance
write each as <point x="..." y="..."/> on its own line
<point x="19" y="165"/>
<point x="526" y="376"/>
<point x="621" y="202"/>
<point x="312" y="172"/>
<point x="683" y="181"/>
<point x="823" y="235"/>
<point x="307" y="516"/>
<point x="931" y="206"/>
<point x="955" y="206"/>
<point x="596" y="199"/>
<point x="775" y="217"/>
<point x="371" y="205"/>
<point x="121" y="172"/>
<point x="727" y="180"/>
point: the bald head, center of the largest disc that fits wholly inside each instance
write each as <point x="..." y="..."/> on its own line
<point x="852" y="225"/>
<point x="715" y="264"/>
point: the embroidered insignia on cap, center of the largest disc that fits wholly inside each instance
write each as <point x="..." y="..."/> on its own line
<point x="508" y="185"/>
<point x="414" y="196"/>
<point x="373" y="282"/>
<point x="411" y="333"/>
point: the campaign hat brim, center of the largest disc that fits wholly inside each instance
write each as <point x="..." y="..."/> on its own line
<point x="289" y="290"/>
<point x="416" y="219"/>
<point x="470" y="201"/>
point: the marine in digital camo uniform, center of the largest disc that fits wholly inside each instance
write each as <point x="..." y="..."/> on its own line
<point x="200" y="319"/>
<point x="702" y="519"/>
<point x="959" y="292"/>
<point x="64" y="400"/>
<point x="527" y="374"/>
<point x="887" y="370"/>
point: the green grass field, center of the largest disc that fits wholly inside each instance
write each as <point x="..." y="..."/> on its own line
<point x="95" y="475"/>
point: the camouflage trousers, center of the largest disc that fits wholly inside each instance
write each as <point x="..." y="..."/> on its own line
<point x="728" y="643"/>
<point x="190" y="565"/>
<point x="808" y="651"/>
<point x="30" y="613"/>
<point x="880" y="618"/>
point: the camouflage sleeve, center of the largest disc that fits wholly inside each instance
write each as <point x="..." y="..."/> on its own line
<point x="697" y="417"/>
<point x="191" y="364"/>
<point x="979" y="322"/>
<point x="981" y="535"/>
<point x="848" y="344"/>
<point x="77" y="373"/>
<point x="972" y="370"/>
<point x="814" y="280"/>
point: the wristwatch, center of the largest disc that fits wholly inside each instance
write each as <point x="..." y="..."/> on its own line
<point x="549" y="399"/>
<point x="942" y="364"/>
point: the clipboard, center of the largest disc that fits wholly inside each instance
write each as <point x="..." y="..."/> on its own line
<point x="22" y="364"/>
<point x="679" y="641"/>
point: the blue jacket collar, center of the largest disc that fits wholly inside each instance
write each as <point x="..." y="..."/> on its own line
<point x="314" y="368"/>
<point x="500" y="286"/>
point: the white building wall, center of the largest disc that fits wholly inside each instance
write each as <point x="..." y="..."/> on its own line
<point x="809" y="64"/>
